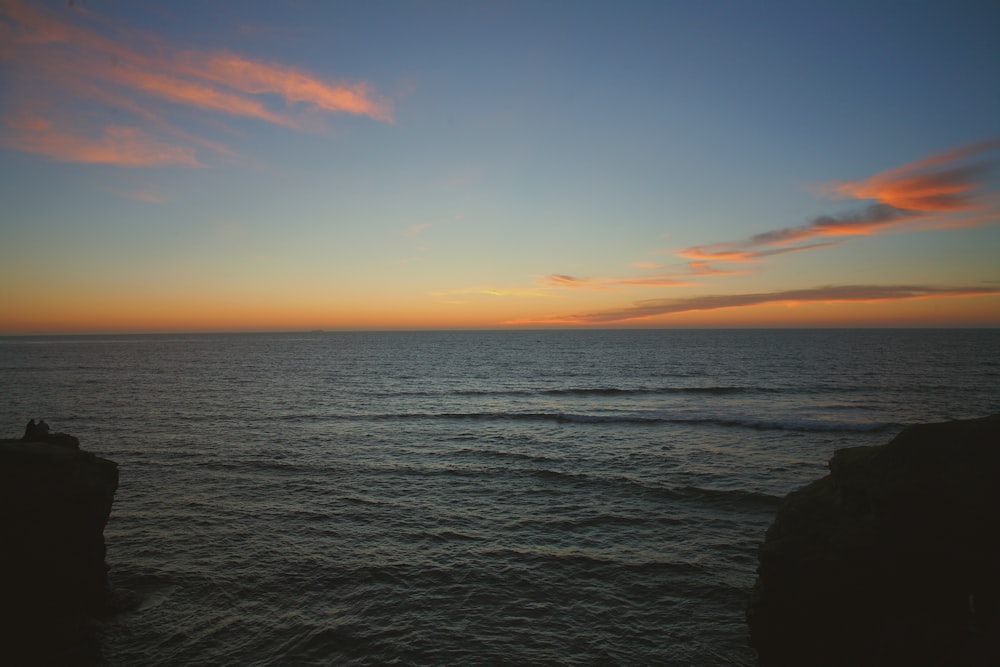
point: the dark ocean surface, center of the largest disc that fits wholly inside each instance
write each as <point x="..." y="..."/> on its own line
<point x="532" y="497"/>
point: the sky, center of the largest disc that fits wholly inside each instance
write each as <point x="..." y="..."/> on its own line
<point x="288" y="165"/>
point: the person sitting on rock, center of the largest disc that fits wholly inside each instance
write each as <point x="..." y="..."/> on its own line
<point x="32" y="432"/>
<point x="40" y="433"/>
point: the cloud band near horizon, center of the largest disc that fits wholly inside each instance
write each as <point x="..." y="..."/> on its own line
<point x="651" y="308"/>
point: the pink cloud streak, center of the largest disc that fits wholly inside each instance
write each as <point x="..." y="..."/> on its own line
<point x="120" y="145"/>
<point x="921" y="194"/>
<point x="60" y="63"/>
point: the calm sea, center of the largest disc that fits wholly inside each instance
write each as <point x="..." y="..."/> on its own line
<point x="532" y="497"/>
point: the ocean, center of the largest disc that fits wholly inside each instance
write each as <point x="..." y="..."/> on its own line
<point x="483" y="497"/>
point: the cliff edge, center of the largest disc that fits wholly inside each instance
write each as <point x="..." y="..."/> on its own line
<point x="55" y="500"/>
<point x="891" y="559"/>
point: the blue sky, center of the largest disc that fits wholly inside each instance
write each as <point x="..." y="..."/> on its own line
<point x="182" y="166"/>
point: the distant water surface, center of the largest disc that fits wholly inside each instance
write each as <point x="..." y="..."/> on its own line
<point x="568" y="497"/>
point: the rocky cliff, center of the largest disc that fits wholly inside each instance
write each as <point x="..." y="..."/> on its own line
<point x="54" y="503"/>
<point x="891" y="559"/>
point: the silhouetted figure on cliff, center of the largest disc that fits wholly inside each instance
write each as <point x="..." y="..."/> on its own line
<point x="40" y="432"/>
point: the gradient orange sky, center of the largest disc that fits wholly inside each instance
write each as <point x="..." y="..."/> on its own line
<point x="278" y="165"/>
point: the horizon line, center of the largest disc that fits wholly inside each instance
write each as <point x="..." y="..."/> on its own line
<point x="339" y="330"/>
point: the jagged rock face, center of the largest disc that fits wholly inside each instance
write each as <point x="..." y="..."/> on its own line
<point x="54" y="504"/>
<point x="891" y="559"/>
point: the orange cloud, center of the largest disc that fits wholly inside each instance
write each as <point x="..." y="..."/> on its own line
<point x="704" y="269"/>
<point x="195" y="94"/>
<point x="873" y="219"/>
<point x="128" y="146"/>
<point x="718" y="252"/>
<point x="937" y="183"/>
<point x="556" y="280"/>
<point x="831" y="294"/>
<point x="59" y="62"/>
<point x="921" y="194"/>
<point x="679" y="278"/>
<point x="492" y="291"/>
<point x="294" y="85"/>
<point x="562" y="280"/>
<point x="655" y="281"/>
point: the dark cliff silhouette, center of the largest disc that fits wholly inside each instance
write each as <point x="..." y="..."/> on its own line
<point x="891" y="559"/>
<point x="55" y="500"/>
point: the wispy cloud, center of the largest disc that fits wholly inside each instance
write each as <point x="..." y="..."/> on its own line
<point x="68" y="77"/>
<point x="681" y="276"/>
<point x="872" y="219"/>
<point x="295" y="86"/>
<point x="939" y="183"/>
<point x="830" y="294"/>
<point x="493" y="291"/>
<point x="560" y="280"/>
<point x="140" y="194"/>
<point x="112" y="144"/>
<point x="926" y="193"/>
<point x="666" y="280"/>
<point x="417" y="229"/>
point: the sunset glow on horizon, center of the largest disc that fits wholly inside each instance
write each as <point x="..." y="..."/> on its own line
<point x="297" y="166"/>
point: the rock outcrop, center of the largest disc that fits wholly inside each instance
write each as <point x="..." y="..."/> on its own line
<point x="891" y="559"/>
<point x="55" y="500"/>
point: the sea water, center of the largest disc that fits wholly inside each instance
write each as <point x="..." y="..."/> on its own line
<point x="517" y="497"/>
